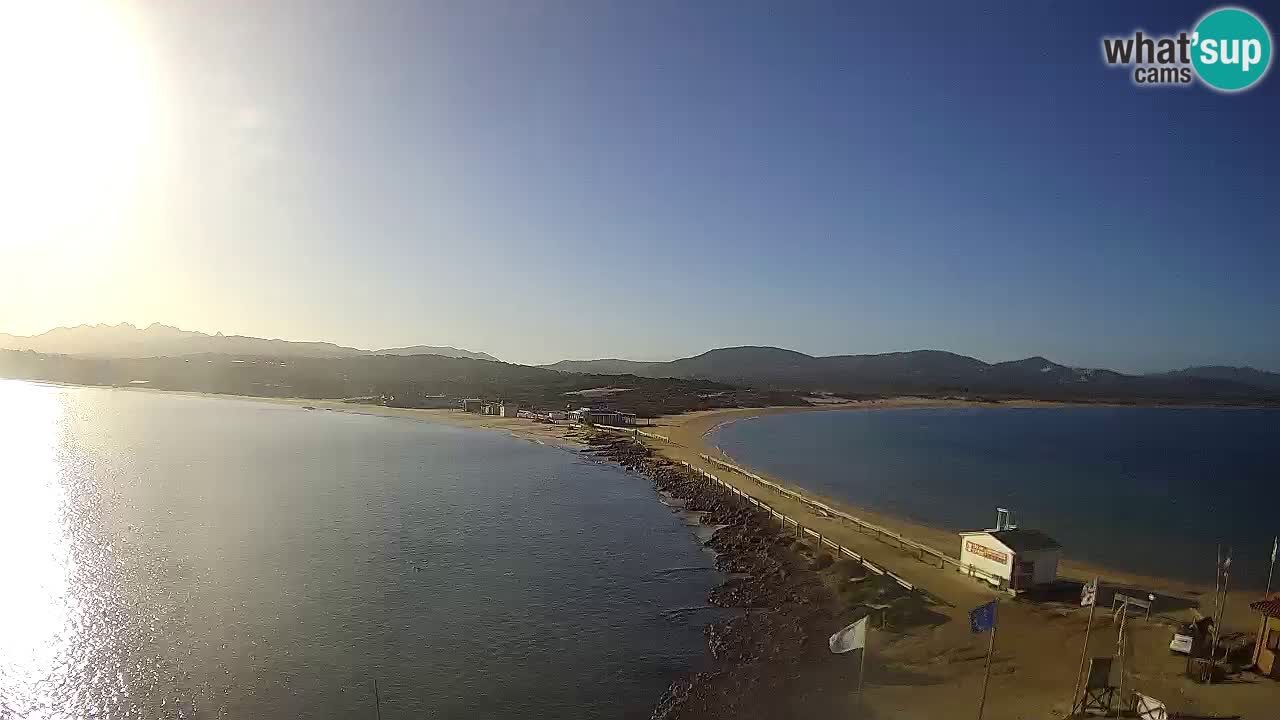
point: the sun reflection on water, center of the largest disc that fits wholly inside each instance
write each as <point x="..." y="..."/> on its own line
<point x="35" y="557"/>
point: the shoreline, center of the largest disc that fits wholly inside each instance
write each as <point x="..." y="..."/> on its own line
<point x="561" y="436"/>
<point x="703" y="423"/>
<point x="1077" y="568"/>
<point x="767" y="655"/>
<point x="928" y="669"/>
<point x="1034" y="677"/>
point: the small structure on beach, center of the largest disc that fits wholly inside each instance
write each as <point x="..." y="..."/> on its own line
<point x="601" y="416"/>
<point x="472" y="405"/>
<point x="1022" y="559"/>
<point x="508" y="410"/>
<point x="1266" y="650"/>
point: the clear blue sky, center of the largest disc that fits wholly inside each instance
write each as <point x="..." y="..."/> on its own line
<point x="828" y="177"/>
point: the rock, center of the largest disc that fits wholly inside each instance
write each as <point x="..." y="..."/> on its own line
<point x="788" y="611"/>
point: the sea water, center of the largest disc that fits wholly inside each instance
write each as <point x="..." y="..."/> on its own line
<point x="1148" y="490"/>
<point x="174" y="556"/>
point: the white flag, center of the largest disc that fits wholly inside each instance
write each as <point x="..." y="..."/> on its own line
<point x="1089" y="593"/>
<point x="850" y="638"/>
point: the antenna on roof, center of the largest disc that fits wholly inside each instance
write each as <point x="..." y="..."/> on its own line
<point x="1003" y="518"/>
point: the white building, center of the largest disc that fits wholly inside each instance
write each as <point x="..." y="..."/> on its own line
<point x="508" y="410"/>
<point x="601" y="416"/>
<point x="1022" y="559"/>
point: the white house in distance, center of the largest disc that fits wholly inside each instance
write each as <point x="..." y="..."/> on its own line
<point x="1021" y="558"/>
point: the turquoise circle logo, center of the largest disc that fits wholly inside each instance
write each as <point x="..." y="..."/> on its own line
<point x="1232" y="49"/>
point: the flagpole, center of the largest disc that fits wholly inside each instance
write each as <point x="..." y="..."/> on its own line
<point x="1084" y="651"/>
<point x="1274" y="546"/>
<point x="1217" y="581"/>
<point x="1120" y="641"/>
<point x="991" y="652"/>
<point x="1220" y="611"/>
<point x="862" y="669"/>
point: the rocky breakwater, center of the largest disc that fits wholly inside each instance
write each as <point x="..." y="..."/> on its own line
<point x="771" y="658"/>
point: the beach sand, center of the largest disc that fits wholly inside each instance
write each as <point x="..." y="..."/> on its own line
<point x="938" y="671"/>
<point x="564" y="436"/>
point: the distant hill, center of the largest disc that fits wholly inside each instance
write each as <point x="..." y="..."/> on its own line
<point x="937" y="372"/>
<point x="1245" y="375"/>
<point x="610" y="367"/>
<point x="127" y="341"/>
<point x="423" y="380"/>
<point x="446" y="351"/>
<point x="776" y="366"/>
<point x="753" y="373"/>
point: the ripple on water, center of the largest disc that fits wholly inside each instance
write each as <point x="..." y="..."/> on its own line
<point x="191" y="557"/>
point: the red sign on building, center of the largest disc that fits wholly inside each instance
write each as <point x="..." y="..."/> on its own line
<point x="986" y="552"/>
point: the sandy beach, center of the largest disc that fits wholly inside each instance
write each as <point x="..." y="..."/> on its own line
<point x="931" y="672"/>
<point x="564" y="436"/>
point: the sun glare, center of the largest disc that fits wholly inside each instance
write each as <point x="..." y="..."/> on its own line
<point x="78" y="108"/>
<point x="33" y="550"/>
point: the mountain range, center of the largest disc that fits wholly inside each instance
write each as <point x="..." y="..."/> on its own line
<point x="923" y="372"/>
<point x="937" y="371"/>
<point x="419" y="381"/>
<point x="156" y="340"/>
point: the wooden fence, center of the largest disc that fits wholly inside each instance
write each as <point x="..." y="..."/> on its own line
<point x="801" y="531"/>
<point x="634" y="431"/>
<point x="881" y="533"/>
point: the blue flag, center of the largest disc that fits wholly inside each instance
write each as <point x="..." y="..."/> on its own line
<point x="983" y="617"/>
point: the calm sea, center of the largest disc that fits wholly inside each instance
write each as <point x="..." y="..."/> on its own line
<point x="169" y="556"/>
<point x="1150" y="490"/>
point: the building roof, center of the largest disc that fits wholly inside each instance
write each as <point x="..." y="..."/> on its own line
<point x="1270" y="608"/>
<point x="1019" y="540"/>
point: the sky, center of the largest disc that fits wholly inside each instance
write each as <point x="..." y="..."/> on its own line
<point x="645" y="180"/>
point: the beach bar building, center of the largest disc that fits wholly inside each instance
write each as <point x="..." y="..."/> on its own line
<point x="1266" y="653"/>
<point x="601" y="416"/>
<point x="1021" y="559"/>
<point x="508" y="410"/>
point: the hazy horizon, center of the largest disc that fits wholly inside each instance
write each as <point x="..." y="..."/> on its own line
<point x="145" y="326"/>
<point x="639" y="181"/>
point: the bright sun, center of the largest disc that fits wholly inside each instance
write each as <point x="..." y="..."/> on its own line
<point x="78" y="111"/>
